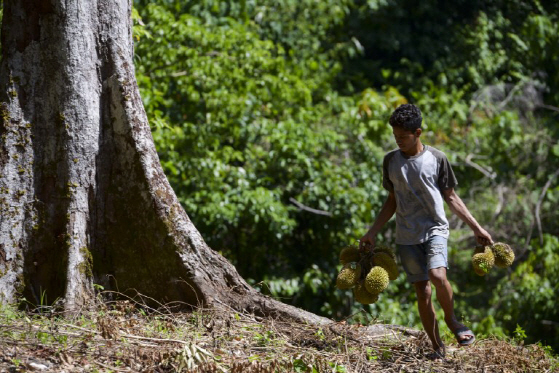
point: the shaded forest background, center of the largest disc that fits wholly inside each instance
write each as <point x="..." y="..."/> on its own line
<point x="270" y="118"/>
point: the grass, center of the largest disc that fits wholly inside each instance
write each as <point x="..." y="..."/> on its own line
<point x="124" y="336"/>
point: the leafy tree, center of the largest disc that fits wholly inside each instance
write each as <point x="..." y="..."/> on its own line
<point x="83" y="197"/>
<point x="528" y="297"/>
<point x="264" y="112"/>
<point x="244" y="123"/>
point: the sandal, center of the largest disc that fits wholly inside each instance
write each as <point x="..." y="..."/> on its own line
<point x="438" y="354"/>
<point x="464" y="331"/>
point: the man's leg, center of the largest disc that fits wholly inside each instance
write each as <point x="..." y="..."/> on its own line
<point x="446" y="299"/>
<point x="427" y="314"/>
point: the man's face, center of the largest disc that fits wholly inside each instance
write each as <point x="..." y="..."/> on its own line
<point x="406" y="140"/>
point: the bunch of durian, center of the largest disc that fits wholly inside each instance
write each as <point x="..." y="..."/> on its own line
<point x="368" y="274"/>
<point x="485" y="257"/>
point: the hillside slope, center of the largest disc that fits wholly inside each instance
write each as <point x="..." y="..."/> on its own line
<point x="122" y="337"/>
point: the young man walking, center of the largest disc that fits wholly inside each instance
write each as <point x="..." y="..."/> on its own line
<point x="419" y="178"/>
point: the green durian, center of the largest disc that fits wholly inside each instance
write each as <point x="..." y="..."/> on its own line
<point x="349" y="254"/>
<point x="385" y="249"/>
<point x="384" y="260"/>
<point x="361" y="294"/>
<point x="348" y="276"/>
<point x="479" y="272"/>
<point x="504" y="256"/>
<point x="480" y="249"/>
<point x="377" y="280"/>
<point x="483" y="261"/>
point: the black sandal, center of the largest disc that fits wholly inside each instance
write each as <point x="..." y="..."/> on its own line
<point x="464" y="331"/>
<point x="437" y="355"/>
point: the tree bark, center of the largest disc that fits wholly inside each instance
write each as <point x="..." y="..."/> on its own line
<point x="83" y="198"/>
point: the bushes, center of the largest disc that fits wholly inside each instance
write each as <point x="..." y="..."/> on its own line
<point x="270" y="121"/>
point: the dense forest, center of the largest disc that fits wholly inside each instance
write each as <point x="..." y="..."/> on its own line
<point x="270" y="119"/>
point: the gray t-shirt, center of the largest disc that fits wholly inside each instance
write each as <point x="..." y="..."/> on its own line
<point x="417" y="183"/>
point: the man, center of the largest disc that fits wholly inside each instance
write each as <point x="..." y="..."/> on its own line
<point x="418" y="178"/>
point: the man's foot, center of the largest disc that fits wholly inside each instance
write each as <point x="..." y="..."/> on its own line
<point x="438" y="354"/>
<point x="464" y="336"/>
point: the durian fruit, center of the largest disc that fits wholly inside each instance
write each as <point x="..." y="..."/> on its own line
<point x="349" y="254"/>
<point x="480" y="249"/>
<point x="376" y="280"/>
<point x="361" y="294"/>
<point x="483" y="261"/>
<point x="386" y="261"/>
<point x="385" y="249"/>
<point x="504" y="256"/>
<point x="348" y="276"/>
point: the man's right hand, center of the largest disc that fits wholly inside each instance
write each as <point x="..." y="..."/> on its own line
<point x="367" y="242"/>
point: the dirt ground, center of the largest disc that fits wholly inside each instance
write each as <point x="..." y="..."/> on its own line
<point x="124" y="338"/>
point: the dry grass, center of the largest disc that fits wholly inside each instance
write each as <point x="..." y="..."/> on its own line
<point x="122" y="337"/>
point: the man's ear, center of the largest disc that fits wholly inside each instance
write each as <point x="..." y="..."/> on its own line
<point x="418" y="132"/>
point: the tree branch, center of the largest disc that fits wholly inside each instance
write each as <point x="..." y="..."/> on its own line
<point x="550" y="107"/>
<point x="499" y="207"/>
<point x="483" y="170"/>
<point x="309" y="209"/>
<point x="539" y="204"/>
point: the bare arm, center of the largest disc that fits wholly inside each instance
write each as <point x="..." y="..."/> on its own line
<point x="388" y="209"/>
<point x="458" y="207"/>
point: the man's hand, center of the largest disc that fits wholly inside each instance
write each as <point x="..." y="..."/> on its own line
<point x="367" y="242"/>
<point x="482" y="237"/>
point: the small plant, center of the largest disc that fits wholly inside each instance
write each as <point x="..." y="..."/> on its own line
<point x="519" y="334"/>
<point x="337" y="368"/>
<point x="43" y="337"/>
<point x="386" y="354"/>
<point x="265" y="338"/>
<point x="42" y="301"/>
<point x="371" y="354"/>
<point x="253" y="358"/>
<point x="320" y="335"/>
<point x="16" y="362"/>
<point x="300" y="366"/>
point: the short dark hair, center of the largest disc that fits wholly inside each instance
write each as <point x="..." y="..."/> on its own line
<point x="407" y="116"/>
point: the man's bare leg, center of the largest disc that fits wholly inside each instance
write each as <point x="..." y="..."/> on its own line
<point x="427" y="315"/>
<point x="446" y="299"/>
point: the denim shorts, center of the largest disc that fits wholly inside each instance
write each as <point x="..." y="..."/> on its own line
<point x="418" y="259"/>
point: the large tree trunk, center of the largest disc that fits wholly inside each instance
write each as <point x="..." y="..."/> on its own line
<point x="83" y="198"/>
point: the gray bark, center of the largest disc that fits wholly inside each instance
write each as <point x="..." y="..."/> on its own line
<point x="83" y="198"/>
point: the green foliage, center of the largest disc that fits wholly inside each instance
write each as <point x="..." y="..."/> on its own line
<point x="262" y="111"/>
<point x="519" y="334"/>
<point x="250" y="138"/>
<point x="528" y="297"/>
<point x="460" y="45"/>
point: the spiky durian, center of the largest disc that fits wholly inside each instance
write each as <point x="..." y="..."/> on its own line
<point x="384" y="260"/>
<point x="504" y="256"/>
<point x="377" y="280"/>
<point x="349" y="254"/>
<point x="483" y="261"/>
<point x="479" y="272"/>
<point x="361" y="294"/>
<point x="348" y="276"/>
<point x="385" y="249"/>
<point x="480" y="249"/>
